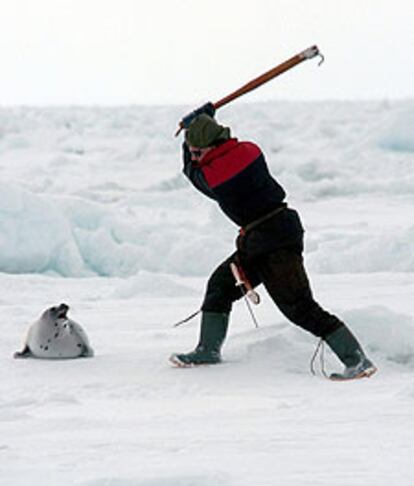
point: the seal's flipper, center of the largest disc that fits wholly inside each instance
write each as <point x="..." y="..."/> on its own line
<point x="24" y="353"/>
<point x="87" y="351"/>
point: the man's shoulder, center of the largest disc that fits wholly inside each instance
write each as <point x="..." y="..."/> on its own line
<point x="234" y="151"/>
<point x="249" y="149"/>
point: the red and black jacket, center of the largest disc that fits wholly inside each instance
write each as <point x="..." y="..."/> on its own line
<point x="235" y="174"/>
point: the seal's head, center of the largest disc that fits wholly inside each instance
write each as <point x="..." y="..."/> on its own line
<point x="55" y="313"/>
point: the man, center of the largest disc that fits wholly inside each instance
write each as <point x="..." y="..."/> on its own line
<point x="269" y="247"/>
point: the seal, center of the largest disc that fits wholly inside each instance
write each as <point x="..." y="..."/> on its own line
<point x="55" y="336"/>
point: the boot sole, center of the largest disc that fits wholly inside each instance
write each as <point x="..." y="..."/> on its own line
<point x="364" y="374"/>
<point x="178" y="363"/>
<point x="174" y="360"/>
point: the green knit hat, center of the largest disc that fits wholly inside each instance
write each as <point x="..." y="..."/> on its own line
<point x="204" y="132"/>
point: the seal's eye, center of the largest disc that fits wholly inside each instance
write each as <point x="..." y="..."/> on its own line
<point x="53" y="309"/>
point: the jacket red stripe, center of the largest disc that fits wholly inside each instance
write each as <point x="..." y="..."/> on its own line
<point x="226" y="161"/>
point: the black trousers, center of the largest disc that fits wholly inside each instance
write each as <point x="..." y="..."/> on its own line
<point x="283" y="275"/>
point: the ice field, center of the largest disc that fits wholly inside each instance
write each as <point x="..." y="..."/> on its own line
<point x="94" y="212"/>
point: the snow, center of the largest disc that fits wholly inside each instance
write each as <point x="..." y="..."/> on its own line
<point x="94" y="212"/>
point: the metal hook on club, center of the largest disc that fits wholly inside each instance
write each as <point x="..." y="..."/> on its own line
<point x="322" y="60"/>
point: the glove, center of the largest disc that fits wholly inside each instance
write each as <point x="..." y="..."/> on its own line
<point x="208" y="109"/>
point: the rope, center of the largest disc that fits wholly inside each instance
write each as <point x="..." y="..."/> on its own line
<point x="320" y="349"/>
<point x="183" y="321"/>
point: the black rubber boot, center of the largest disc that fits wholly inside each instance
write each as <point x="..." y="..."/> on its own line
<point x="346" y="347"/>
<point x="212" y="334"/>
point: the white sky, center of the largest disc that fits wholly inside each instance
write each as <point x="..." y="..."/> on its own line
<point x="190" y="51"/>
